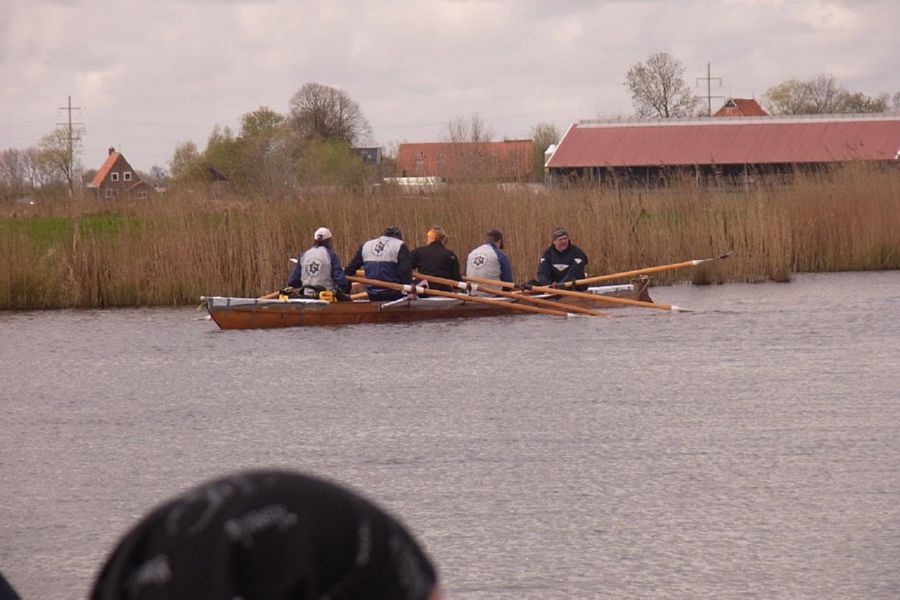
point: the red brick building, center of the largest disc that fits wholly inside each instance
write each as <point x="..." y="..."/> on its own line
<point x="507" y="161"/>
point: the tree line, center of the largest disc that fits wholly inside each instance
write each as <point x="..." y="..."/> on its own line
<point x="313" y="143"/>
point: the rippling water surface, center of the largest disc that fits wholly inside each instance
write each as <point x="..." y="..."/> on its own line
<point x="747" y="450"/>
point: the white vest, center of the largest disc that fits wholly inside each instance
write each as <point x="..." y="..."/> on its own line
<point x="316" y="268"/>
<point x="483" y="262"/>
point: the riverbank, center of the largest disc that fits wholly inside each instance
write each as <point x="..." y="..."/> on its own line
<point x="174" y="248"/>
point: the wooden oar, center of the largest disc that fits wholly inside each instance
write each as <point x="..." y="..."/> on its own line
<point x="499" y="292"/>
<point x="583" y="295"/>
<point x="645" y="271"/>
<point x="464" y="297"/>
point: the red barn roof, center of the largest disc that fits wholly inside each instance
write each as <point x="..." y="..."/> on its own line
<point x="741" y="107"/>
<point x="729" y="141"/>
<point x="499" y="161"/>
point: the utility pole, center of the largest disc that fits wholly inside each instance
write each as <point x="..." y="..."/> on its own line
<point x="709" y="95"/>
<point x="70" y="158"/>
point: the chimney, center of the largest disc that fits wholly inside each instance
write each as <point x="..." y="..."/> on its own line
<point x="111" y="150"/>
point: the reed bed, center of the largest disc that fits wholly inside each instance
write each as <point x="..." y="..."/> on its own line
<point x="174" y="248"/>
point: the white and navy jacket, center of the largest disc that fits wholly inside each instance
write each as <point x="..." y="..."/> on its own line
<point x="489" y="262"/>
<point x="385" y="258"/>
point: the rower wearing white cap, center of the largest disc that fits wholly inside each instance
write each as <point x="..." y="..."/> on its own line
<point x="319" y="268"/>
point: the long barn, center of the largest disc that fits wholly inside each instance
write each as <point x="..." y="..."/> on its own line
<point x="647" y="151"/>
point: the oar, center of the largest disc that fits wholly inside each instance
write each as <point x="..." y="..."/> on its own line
<point x="583" y="295"/>
<point x="645" y="271"/>
<point x="464" y="297"/>
<point x="499" y="292"/>
<point x="275" y="294"/>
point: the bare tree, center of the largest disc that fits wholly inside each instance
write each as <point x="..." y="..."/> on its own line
<point x="472" y="129"/>
<point x="658" y="89"/>
<point x="820" y="95"/>
<point x="320" y="111"/>
<point x="13" y="172"/>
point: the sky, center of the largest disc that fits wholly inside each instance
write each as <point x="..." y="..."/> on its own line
<point x="149" y="75"/>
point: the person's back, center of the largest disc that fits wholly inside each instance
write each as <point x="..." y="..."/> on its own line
<point x="488" y="261"/>
<point x="436" y="259"/>
<point x="319" y="268"/>
<point x="385" y="258"/>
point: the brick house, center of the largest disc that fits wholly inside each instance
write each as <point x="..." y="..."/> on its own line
<point x="506" y="161"/>
<point x="116" y="179"/>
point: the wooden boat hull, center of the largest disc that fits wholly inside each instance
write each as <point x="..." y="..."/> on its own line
<point x="255" y="313"/>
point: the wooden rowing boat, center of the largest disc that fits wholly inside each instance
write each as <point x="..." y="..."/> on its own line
<point x="258" y="313"/>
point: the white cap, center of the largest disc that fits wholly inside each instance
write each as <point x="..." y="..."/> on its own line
<point x="322" y="233"/>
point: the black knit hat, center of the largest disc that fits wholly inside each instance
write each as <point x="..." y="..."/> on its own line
<point x="394" y="232"/>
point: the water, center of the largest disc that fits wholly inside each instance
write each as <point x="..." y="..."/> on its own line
<point x="748" y="450"/>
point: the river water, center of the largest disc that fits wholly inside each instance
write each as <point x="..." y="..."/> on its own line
<point x="750" y="449"/>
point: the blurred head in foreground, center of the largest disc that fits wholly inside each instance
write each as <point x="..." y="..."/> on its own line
<point x="271" y="535"/>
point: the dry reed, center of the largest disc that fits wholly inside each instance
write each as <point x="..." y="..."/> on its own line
<point x="172" y="249"/>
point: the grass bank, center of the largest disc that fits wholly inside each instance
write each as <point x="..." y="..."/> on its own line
<point x="172" y="249"/>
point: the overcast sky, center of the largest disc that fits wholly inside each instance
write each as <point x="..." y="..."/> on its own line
<point x="149" y="74"/>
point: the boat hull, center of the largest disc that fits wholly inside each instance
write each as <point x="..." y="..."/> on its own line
<point x="256" y="313"/>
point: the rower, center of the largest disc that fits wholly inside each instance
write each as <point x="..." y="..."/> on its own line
<point x="318" y="270"/>
<point x="385" y="258"/>
<point x="436" y="259"/>
<point x="562" y="262"/>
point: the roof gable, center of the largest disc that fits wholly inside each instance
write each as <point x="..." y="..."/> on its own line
<point x="741" y="107"/>
<point x="112" y="160"/>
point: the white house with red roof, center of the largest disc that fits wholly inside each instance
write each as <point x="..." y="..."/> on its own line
<point x="116" y="179"/>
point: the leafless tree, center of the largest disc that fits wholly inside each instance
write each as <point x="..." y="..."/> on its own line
<point x="327" y="113"/>
<point x="658" y="89"/>
<point x="471" y="129"/>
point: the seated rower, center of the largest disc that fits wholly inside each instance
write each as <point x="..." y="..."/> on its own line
<point x="561" y="262"/>
<point x="436" y="259"/>
<point x="489" y="261"/>
<point x="385" y="258"/>
<point x="319" y="269"/>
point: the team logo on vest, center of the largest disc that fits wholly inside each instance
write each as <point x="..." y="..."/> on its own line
<point x="379" y="247"/>
<point x="313" y="267"/>
<point x="478" y="261"/>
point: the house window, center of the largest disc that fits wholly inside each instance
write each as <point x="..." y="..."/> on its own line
<point x="142" y="194"/>
<point x="126" y="176"/>
<point x="114" y="176"/>
<point x="111" y="193"/>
